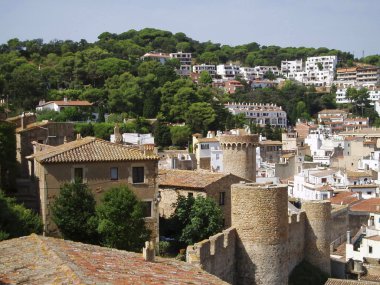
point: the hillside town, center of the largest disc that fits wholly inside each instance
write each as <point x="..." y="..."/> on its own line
<point x="228" y="190"/>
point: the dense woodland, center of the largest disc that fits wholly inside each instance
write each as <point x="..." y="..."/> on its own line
<point x="110" y="74"/>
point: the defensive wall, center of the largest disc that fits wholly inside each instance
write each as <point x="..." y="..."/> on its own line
<point x="265" y="243"/>
<point x="216" y="255"/>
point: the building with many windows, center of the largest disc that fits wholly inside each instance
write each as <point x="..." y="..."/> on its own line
<point x="261" y="114"/>
<point x="228" y="71"/>
<point x="210" y="68"/>
<point x="99" y="164"/>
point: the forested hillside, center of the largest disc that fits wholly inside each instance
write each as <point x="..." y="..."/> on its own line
<point x="110" y="74"/>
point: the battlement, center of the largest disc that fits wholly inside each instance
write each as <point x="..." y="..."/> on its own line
<point x="238" y="139"/>
<point x="216" y="255"/>
<point x="296" y="218"/>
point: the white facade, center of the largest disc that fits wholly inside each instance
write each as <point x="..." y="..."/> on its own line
<point x="216" y="159"/>
<point x="313" y="184"/>
<point x="183" y="57"/>
<point x="370" y="243"/>
<point x="291" y="66"/>
<point x="157" y="56"/>
<point x="373" y="95"/>
<point x="228" y="71"/>
<point x="135" y="138"/>
<point x="327" y="63"/>
<point x="250" y="73"/>
<point x="260" y="114"/>
<point x="210" y="68"/>
<point x="262" y="69"/>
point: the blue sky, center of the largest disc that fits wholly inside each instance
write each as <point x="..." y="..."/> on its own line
<point x="349" y="25"/>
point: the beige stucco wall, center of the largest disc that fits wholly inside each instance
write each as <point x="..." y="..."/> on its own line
<point x="97" y="175"/>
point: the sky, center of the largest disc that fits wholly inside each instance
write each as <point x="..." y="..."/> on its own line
<point x="348" y="25"/>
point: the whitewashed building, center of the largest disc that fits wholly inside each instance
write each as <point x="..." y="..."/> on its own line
<point x="261" y="114"/>
<point x="210" y="68"/>
<point x="291" y="66"/>
<point x="228" y="71"/>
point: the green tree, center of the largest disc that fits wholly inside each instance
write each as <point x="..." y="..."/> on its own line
<point x="180" y="135"/>
<point x="205" y="77"/>
<point x="200" y="116"/>
<point x="162" y="136"/>
<point x="121" y="220"/>
<point x="7" y="156"/>
<point x="74" y="213"/>
<point x="197" y="219"/>
<point x="16" y="220"/>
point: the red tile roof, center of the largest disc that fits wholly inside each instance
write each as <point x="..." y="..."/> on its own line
<point x="188" y="178"/>
<point x="40" y="260"/>
<point x="369" y="206"/>
<point x="344" y="198"/>
<point x="90" y="149"/>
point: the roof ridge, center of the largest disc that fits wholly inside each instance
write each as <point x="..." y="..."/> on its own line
<point x="49" y="250"/>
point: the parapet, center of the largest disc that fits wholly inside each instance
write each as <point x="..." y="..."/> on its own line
<point x="297" y="218"/>
<point x="215" y="255"/>
<point x="236" y="139"/>
<point x="203" y="250"/>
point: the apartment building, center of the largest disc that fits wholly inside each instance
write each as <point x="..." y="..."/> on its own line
<point x="321" y="63"/>
<point x="373" y="95"/>
<point x="360" y="76"/>
<point x="183" y="57"/>
<point x="261" y="114"/>
<point x="228" y="71"/>
<point x="291" y="66"/>
<point x="157" y="56"/>
<point x="210" y="68"/>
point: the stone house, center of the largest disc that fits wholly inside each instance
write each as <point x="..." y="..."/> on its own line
<point x="172" y="183"/>
<point x="46" y="132"/>
<point x="101" y="165"/>
<point x="270" y="151"/>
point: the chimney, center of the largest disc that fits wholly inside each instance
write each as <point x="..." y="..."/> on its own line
<point x="348" y="237"/>
<point x="148" y="251"/>
<point x="79" y="137"/>
<point x="22" y="120"/>
<point x="117" y="135"/>
<point x="65" y="99"/>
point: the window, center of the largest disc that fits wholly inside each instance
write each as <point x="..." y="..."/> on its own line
<point x="137" y="174"/>
<point x="370" y="249"/>
<point x="114" y="173"/>
<point x="147" y="209"/>
<point x="205" y="146"/>
<point x="217" y="156"/>
<point x="324" y="180"/>
<point x="78" y="174"/>
<point x="222" y="196"/>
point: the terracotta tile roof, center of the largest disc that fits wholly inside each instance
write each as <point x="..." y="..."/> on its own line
<point x="90" y="149"/>
<point x="68" y="103"/>
<point x="371" y="205"/>
<point x="332" y="111"/>
<point x="208" y="140"/>
<point x="354" y="174"/>
<point x="270" y="142"/>
<point x="332" y="281"/>
<point x="375" y="238"/>
<point x="344" y="198"/>
<point x="323" y="173"/>
<point x="188" y="178"/>
<point x="40" y="260"/>
<point x="363" y="186"/>
<point x="325" y="188"/>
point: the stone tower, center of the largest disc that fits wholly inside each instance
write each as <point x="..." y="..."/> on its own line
<point x="239" y="155"/>
<point x="317" y="234"/>
<point x="260" y="216"/>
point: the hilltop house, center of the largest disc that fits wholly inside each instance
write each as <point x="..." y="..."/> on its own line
<point x="101" y="165"/>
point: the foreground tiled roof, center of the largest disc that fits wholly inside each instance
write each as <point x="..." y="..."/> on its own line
<point x="187" y="178"/>
<point x="332" y="281"/>
<point x="39" y="260"/>
<point x="371" y="205"/>
<point x="90" y="149"/>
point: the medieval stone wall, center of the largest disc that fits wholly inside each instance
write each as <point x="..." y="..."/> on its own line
<point x="216" y="255"/>
<point x="239" y="155"/>
<point x="296" y="240"/>
<point x="317" y="234"/>
<point x="260" y="216"/>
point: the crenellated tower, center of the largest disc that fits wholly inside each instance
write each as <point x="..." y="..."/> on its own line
<point x="260" y="216"/>
<point x="239" y="154"/>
